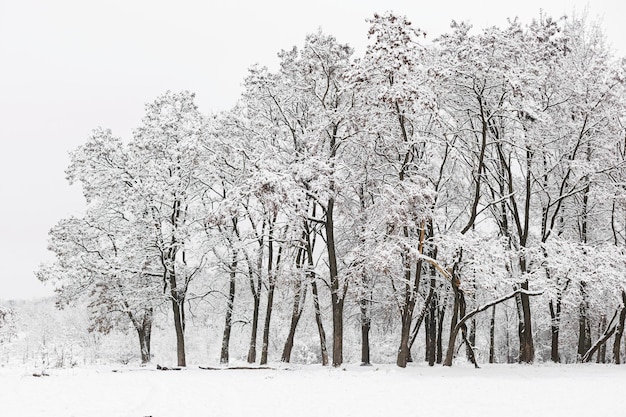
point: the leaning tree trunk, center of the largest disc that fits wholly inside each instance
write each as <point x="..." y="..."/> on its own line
<point x="423" y="313"/>
<point x="410" y="292"/>
<point x="319" y="323"/>
<point x="608" y="332"/>
<point x="460" y="323"/>
<point x="472" y="340"/>
<point x="619" y="332"/>
<point x="602" y="351"/>
<point x="298" y="306"/>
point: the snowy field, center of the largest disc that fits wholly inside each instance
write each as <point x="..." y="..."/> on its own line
<point x="499" y="390"/>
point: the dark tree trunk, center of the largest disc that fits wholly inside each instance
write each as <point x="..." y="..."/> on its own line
<point x="608" y="332"/>
<point x="619" y="332"/>
<point x="492" y="336"/>
<point x="472" y="340"/>
<point x="255" y="289"/>
<point x="365" y="331"/>
<point x="336" y="291"/>
<point x="602" y="351"/>
<point x="453" y="322"/>
<point x="144" y="332"/>
<point x="469" y="346"/>
<point x="296" y="312"/>
<point x="271" y="275"/>
<point x="584" y="327"/>
<point x="431" y="334"/>
<point x="411" y="290"/>
<point x="144" y="343"/>
<point x="527" y="348"/>
<point x="177" y="298"/>
<point x="403" y="351"/>
<point x="427" y="344"/>
<point x="310" y="244"/>
<point x="266" y="327"/>
<point x="555" y="316"/>
<point x="422" y="316"/>
<point x="460" y="323"/>
<point x="441" y="316"/>
<point x="255" y="327"/>
<point x="229" y="309"/>
<point x="178" y="307"/>
<point x="320" y="324"/>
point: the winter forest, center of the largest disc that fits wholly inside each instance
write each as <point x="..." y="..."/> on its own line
<point x="430" y="200"/>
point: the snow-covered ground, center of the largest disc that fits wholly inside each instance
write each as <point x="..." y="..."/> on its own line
<point x="498" y="390"/>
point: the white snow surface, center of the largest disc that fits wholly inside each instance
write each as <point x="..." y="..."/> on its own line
<point x="494" y="390"/>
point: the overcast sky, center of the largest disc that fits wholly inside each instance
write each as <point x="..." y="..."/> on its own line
<point x="68" y="66"/>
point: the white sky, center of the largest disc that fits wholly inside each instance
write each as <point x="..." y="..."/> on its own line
<point x="68" y="66"/>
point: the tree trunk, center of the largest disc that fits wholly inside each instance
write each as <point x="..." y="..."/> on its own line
<point x="411" y="288"/>
<point x="555" y="316"/>
<point x="403" y="351"/>
<point x="427" y="344"/>
<point x="584" y="327"/>
<point x="316" y="300"/>
<point x="453" y="323"/>
<point x="144" y="331"/>
<point x="492" y="336"/>
<point x="266" y="327"/>
<point x="431" y="334"/>
<point x="619" y="332"/>
<point x="365" y="331"/>
<point x="336" y="293"/>
<point x="255" y="327"/>
<point x="472" y="340"/>
<point x="271" y="275"/>
<point x="441" y="315"/>
<point x="255" y="289"/>
<point x="603" y="338"/>
<point x="527" y="348"/>
<point x="144" y="343"/>
<point x="229" y="309"/>
<point x="460" y="323"/>
<point x="296" y="312"/>
<point x="320" y="324"/>
<point x="602" y="351"/>
<point x="422" y="315"/>
<point x="178" y="308"/>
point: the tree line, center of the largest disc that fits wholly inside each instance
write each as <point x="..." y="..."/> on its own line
<point x="433" y="183"/>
